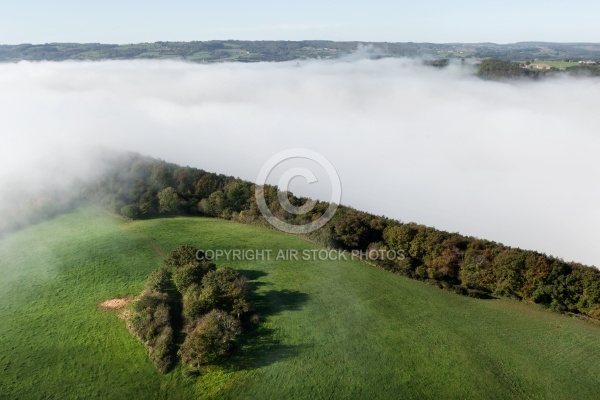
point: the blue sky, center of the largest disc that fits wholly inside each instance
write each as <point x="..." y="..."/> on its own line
<point x="109" y="21"/>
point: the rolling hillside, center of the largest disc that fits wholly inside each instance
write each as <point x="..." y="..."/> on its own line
<point x="332" y="329"/>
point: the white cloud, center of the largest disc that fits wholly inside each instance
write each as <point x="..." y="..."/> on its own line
<point x="511" y="162"/>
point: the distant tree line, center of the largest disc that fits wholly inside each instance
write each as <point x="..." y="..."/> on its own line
<point x="191" y="298"/>
<point x="142" y="187"/>
<point x="495" y="69"/>
<point x="584" y="70"/>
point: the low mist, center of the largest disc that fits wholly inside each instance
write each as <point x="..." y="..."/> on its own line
<point x="513" y="162"/>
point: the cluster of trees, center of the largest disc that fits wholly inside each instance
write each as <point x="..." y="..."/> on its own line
<point x="495" y="69"/>
<point x="440" y="63"/>
<point x="463" y="264"/>
<point x="189" y="298"/>
<point x="584" y="70"/>
<point x="140" y="187"/>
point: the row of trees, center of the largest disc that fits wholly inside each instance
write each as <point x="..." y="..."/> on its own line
<point x="479" y="267"/>
<point x="141" y="187"/>
<point x="190" y="298"/>
<point x="463" y="264"/>
<point x="151" y="321"/>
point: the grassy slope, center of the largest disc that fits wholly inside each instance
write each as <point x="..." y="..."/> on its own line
<point x="335" y="329"/>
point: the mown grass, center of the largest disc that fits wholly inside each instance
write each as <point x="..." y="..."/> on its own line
<point x="332" y="329"/>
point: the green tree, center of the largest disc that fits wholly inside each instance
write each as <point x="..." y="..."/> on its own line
<point x="216" y="203"/>
<point x="502" y="69"/>
<point x="213" y="336"/>
<point x="191" y="273"/>
<point x="168" y="200"/>
<point x="131" y="211"/>
<point x="399" y="237"/>
<point x="351" y="229"/>
<point x="537" y="269"/>
<point x="184" y="179"/>
<point x="181" y="256"/>
<point x="229" y="289"/>
<point x="475" y="270"/>
<point x="151" y="323"/>
<point x="198" y="301"/>
<point x="159" y="280"/>
<point x="205" y="185"/>
<point x="161" y="175"/>
<point x="508" y="269"/>
<point x="148" y="203"/>
<point x="237" y="196"/>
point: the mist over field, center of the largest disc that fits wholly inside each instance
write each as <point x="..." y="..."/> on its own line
<point x="511" y="162"/>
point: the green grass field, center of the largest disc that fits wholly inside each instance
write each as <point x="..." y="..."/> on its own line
<point x="338" y="329"/>
<point x="561" y="64"/>
<point x="556" y="63"/>
<point x="200" y="55"/>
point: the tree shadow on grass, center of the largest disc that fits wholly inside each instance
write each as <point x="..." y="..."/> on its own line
<point x="252" y="274"/>
<point x="273" y="302"/>
<point x="258" y="346"/>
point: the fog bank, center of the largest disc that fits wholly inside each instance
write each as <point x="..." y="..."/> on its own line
<point x="510" y="162"/>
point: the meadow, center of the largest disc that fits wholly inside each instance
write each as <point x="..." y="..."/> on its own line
<point x="331" y="329"/>
<point x="556" y="63"/>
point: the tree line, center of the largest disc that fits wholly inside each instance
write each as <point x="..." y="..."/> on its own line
<point x="142" y="187"/>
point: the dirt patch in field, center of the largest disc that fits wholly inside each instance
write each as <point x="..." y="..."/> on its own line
<point x="115" y="304"/>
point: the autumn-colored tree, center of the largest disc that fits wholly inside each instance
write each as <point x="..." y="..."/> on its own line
<point x="151" y="323"/>
<point x="229" y="289"/>
<point x="212" y="337"/>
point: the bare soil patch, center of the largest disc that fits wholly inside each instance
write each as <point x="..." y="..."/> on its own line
<point x="115" y="304"/>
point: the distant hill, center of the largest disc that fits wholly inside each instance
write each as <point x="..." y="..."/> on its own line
<point x="254" y="51"/>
